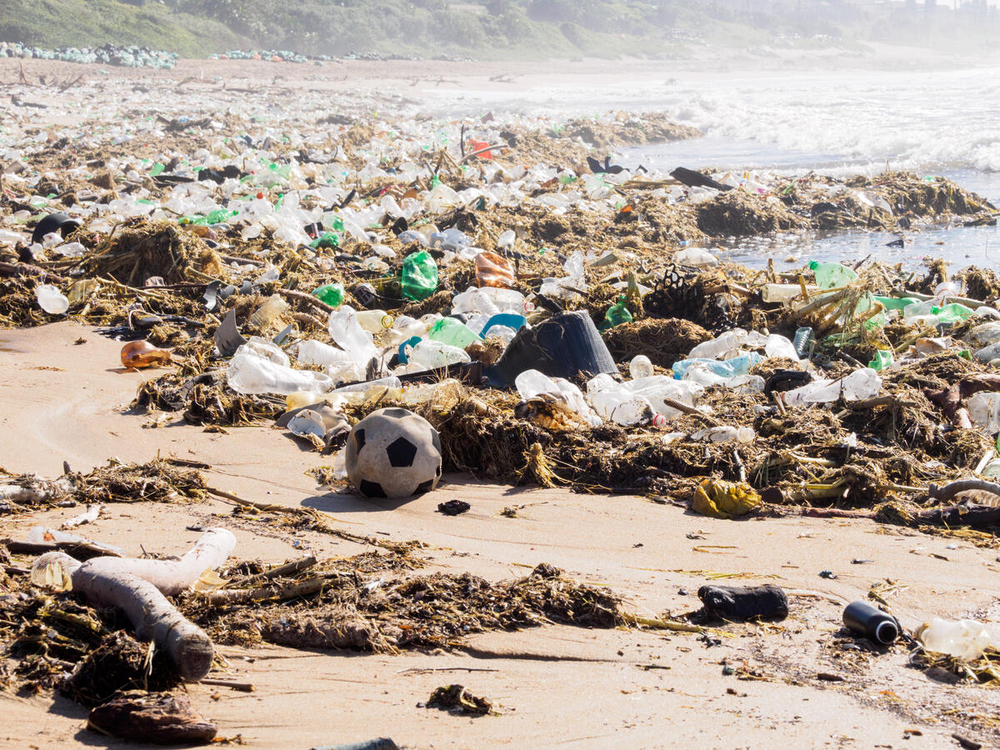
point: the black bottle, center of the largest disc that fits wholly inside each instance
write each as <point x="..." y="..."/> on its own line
<point x="863" y="618"/>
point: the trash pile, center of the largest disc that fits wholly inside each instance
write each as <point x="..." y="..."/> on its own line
<point x="127" y="56"/>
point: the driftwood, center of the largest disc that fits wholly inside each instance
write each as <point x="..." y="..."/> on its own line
<point x="138" y="587"/>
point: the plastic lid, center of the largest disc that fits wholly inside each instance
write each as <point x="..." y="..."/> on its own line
<point x="813" y="265"/>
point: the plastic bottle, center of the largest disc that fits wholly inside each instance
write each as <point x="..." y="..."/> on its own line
<point x="492" y="270"/>
<point x="832" y="275"/>
<point x="657" y="389"/>
<point x="984" y="411"/>
<point x="140" y="354"/>
<point x="51" y="300"/>
<point x="738" y="365"/>
<point x="858" y="386"/>
<point x="349" y="335"/>
<point x="640" y="367"/>
<point x="251" y="374"/>
<point x="331" y="294"/>
<point x="704" y="377"/>
<point x="779" y="346"/>
<point x="506" y="240"/>
<point x="772" y="293"/>
<point x="964" y="639"/>
<point x="419" y="276"/>
<point x="804" y="338"/>
<point x="453" y="332"/>
<point x="431" y="355"/>
<point x="617" y="314"/>
<point x="374" y="321"/>
<point x="719" y="346"/>
<point x="871" y="622"/>
<point x="311" y="352"/>
<point x="268" y="312"/>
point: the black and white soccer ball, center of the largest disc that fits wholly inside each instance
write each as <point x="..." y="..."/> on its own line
<point x="393" y="453"/>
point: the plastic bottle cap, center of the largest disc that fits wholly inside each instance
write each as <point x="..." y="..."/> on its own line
<point x="813" y="265"/>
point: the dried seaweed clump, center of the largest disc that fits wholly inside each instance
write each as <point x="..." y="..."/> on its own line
<point x="156" y="481"/>
<point x="663" y="340"/>
<point x="737" y="213"/>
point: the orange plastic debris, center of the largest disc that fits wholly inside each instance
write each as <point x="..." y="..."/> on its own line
<point x="140" y="354"/>
<point x="493" y="270"/>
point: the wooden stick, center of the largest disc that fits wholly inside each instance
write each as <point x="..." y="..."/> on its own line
<point x="284" y="570"/>
<point x="679" y="406"/>
<point x="307" y="298"/>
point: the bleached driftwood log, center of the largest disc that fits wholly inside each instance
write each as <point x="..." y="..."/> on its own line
<point x="140" y="588"/>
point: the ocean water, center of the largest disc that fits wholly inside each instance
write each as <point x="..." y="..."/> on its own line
<point x="834" y="122"/>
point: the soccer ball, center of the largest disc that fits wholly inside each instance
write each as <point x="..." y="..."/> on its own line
<point x="393" y="453"/>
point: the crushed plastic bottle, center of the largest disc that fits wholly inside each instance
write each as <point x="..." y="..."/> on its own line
<point x="331" y="294"/>
<point x="532" y="383"/>
<point x="728" y="368"/>
<point x="453" y="332"/>
<point x="267" y="313"/>
<point x="316" y="353"/>
<point x="832" y="275"/>
<point x="431" y="355"/>
<point x="859" y="385"/>
<point x="249" y="373"/>
<point x="419" y="276"/>
<point x="617" y="314"/>
<point x="492" y="270"/>
<point x="347" y="333"/>
<point x="964" y="639"/>
<point x="141" y="354"/>
<point x="612" y="401"/>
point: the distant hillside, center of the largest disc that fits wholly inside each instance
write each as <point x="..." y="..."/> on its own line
<point x="491" y="29"/>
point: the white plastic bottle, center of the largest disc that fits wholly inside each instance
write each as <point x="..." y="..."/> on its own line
<point x="349" y="335"/>
<point x="964" y="639"/>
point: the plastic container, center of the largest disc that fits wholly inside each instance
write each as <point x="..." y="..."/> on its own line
<point x="419" y="276"/>
<point x="492" y="270"/>
<point x="250" y="374"/>
<point x="772" y="293"/>
<point x="316" y="353"/>
<point x="563" y="346"/>
<point x="331" y="294"/>
<point x="453" y="332"/>
<point x="803" y="341"/>
<point x="612" y="401"/>
<point x="640" y="367"/>
<point x="374" y="321"/>
<point x="348" y="334"/>
<point x="832" y="275"/>
<point x="268" y="312"/>
<point x="964" y="639"/>
<point x="858" y="386"/>
<point x="718" y="347"/>
<point x="51" y="300"/>
<point x="617" y="314"/>
<point x="140" y="354"/>
<point x="738" y="365"/>
<point x="871" y="622"/>
<point x="431" y="355"/>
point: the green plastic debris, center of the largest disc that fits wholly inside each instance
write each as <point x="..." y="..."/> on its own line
<point x="883" y="359"/>
<point x="895" y="303"/>
<point x="331" y="294"/>
<point x="219" y="216"/>
<point x="420" y="276"/>
<point x="617" y="314"/>
<point x="453" y="332"/>
<point x="832" y="275"/>
<point x="327" y="239"/>
<point x="157" y="169"/>
<point x="953" y="313"/>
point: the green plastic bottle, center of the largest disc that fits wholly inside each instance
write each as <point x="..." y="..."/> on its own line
<point x="952" y="313"/>
<point x="327" y="239"/>
<point x="420" y="276"/>
<point x="832" y="275"/>
<point x="453" y="332"/>
<point x="617" y="314"/>
<point x="331" y="294"/>
<point x="883" y="359"/>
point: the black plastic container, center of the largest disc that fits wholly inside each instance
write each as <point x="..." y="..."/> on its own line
<point x="871" y="622"/>
<point x="563" y="346"/>
<point x="57" y="222"/>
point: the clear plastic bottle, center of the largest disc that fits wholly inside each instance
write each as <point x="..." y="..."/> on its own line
<point x="431" y="355"/>
<point x="738" y="365"/>
<point x="832" y="275"/>
<point x="804" y="338"/>
<point x="718" y="347"/>
<point x="268" y="312"/>
<point x="349" y="335"/>
<point x="640" y="367"/>
<point x="374" y="321"/>
<point x="312" y="352"/>
<point x="250" y="374"/>
<point x="858" y="386"/>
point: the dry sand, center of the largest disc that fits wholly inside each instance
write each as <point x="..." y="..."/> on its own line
<point x="557" y="686"/>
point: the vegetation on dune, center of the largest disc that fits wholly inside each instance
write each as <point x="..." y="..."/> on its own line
<point x="480" y="29"/>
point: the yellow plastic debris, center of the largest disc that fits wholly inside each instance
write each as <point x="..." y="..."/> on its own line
<point x="720" y="499"/>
